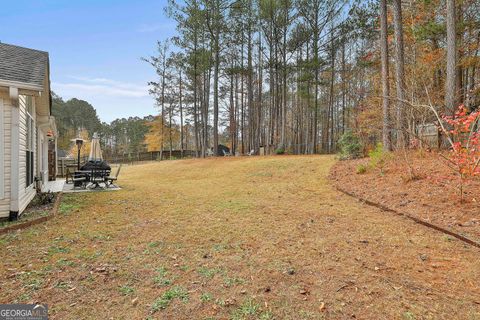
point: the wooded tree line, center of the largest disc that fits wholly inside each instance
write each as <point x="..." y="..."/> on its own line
<point x="77" y="118"/>
<point x="294" y="75"/>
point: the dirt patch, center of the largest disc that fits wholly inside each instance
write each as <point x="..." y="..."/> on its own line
<point x="40" y="209"/>
<point x="236" y="238"/>
<point x="427" y="197"/>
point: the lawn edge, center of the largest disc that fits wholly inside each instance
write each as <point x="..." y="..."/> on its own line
<point x="36" y="221"/>
<point x="408" y="216"/>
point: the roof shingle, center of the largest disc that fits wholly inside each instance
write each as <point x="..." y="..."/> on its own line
<point x="22" y="64"/>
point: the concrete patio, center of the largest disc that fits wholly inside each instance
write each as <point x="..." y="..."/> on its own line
<point x="60" y="185"/>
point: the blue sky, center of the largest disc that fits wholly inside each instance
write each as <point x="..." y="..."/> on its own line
<point x="95" y="47"/>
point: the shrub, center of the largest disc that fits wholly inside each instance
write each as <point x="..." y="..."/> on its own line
<point x="464" y="138"/>
<point x="350" y="146"/>
<point x="43" y="198"/>
<point x="361" y="169"/>
<point x="280" y="150"/>
<point x="378" y="158"/>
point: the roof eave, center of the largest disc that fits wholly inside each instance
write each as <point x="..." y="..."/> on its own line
<point x="21" y="85"/>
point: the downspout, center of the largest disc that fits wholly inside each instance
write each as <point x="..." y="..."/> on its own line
<point x="44" y="123"/>
<point x="14" y="154"/>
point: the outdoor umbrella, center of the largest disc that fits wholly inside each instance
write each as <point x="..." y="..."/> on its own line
<point x="95" y="150"/>
<point x="95" y="159"/>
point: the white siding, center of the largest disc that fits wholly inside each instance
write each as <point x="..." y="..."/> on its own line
<point x="26" y="194"/>
<point x="7" y="113"/>
<point x="2" y="151"/>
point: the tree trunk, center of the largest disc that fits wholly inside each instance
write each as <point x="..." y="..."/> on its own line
<point x="451" y="79"/>
<point x="315" y="64"/>
<point x="250" y="87"/>
<point x="330" y="121"/>
<point x="215" y="96"/>
<point x="163" y="107"/>
<point x="387" y="143"/>
<point x="181" y="115"/>
<point x="400" y="74"/>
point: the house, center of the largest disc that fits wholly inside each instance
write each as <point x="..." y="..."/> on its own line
<point x="28" y="139"/>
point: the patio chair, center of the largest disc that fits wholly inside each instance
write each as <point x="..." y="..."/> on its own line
<point x="79" y="179"/>
<point x="98" y="176"/>
<point x="110" y="179"/>
<point x="251" y="153"/>
<point x="227" y="154"/>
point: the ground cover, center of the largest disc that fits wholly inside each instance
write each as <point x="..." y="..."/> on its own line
<point x="236" y="238"/>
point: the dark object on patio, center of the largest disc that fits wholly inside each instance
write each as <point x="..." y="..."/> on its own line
<point x="98" y="176"/>
<point x="109" y="180"/>
<point x="98" y="171"/>
<point x="95" y="165"/>
<point x="223" y="150"/>
<point x="80" y="179"/>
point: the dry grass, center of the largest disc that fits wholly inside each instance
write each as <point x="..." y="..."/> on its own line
<point x="249" y="238"/>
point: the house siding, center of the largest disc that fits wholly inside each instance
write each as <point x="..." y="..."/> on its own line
<point x="6" y="109"/>
<point x="26" y="194"/>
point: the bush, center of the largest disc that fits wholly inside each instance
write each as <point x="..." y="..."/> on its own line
<point x="464" y="138"/>
<point x="379" y="157"/>
<point x="361" y="169"/>
<point x="350" y="146"/>
<point x="280" y="150"/>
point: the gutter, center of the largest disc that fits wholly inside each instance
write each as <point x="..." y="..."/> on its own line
<point x="20" y="85"/>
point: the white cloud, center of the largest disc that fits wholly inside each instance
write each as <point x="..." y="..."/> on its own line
<point x="84" y="86"/>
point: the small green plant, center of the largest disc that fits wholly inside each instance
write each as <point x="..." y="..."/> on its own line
<point x="154" y="244"/>
<point x="266" y="315"/>
<point x="219" y="247"/>
<point x="66" y="208"/>
<point x="160" y="279"/>
<point x="229" y="282"/>
<point x="23" y="297"/>
<point x="184" y="268"/>
<point x="162" y="271"/>
<point x="350" y="146"/>
<point x="248" y="308"/>
<point x="280" y="150"/>
<point x="361" y="169"/>
<point x="379" y="158"/>
<point x="208" y="272"/>
<point x="408" y="315"/>
<point x="205" y="297"/>
<point x="64" y="263"/>
<point x="164" y="300"/>
<point x="52" y="250"/>
<point x="126" y="290"/>
<point x="220" y="302"/>
<point x="62" y="285"/>
<point x="43" y="198"/>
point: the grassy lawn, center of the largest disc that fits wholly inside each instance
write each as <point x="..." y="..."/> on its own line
<point x="236" y="238"/>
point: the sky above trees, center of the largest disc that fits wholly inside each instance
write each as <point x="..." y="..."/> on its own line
<point x="95" y="48"/>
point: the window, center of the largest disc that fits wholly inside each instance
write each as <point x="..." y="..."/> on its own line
<point x="30" y="140"/>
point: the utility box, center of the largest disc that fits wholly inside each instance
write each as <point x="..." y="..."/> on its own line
<point x="429" y="135"/>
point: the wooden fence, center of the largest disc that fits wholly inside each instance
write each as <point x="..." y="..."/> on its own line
<point x="150" y="156"/>
<point x="65" y="164"/>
